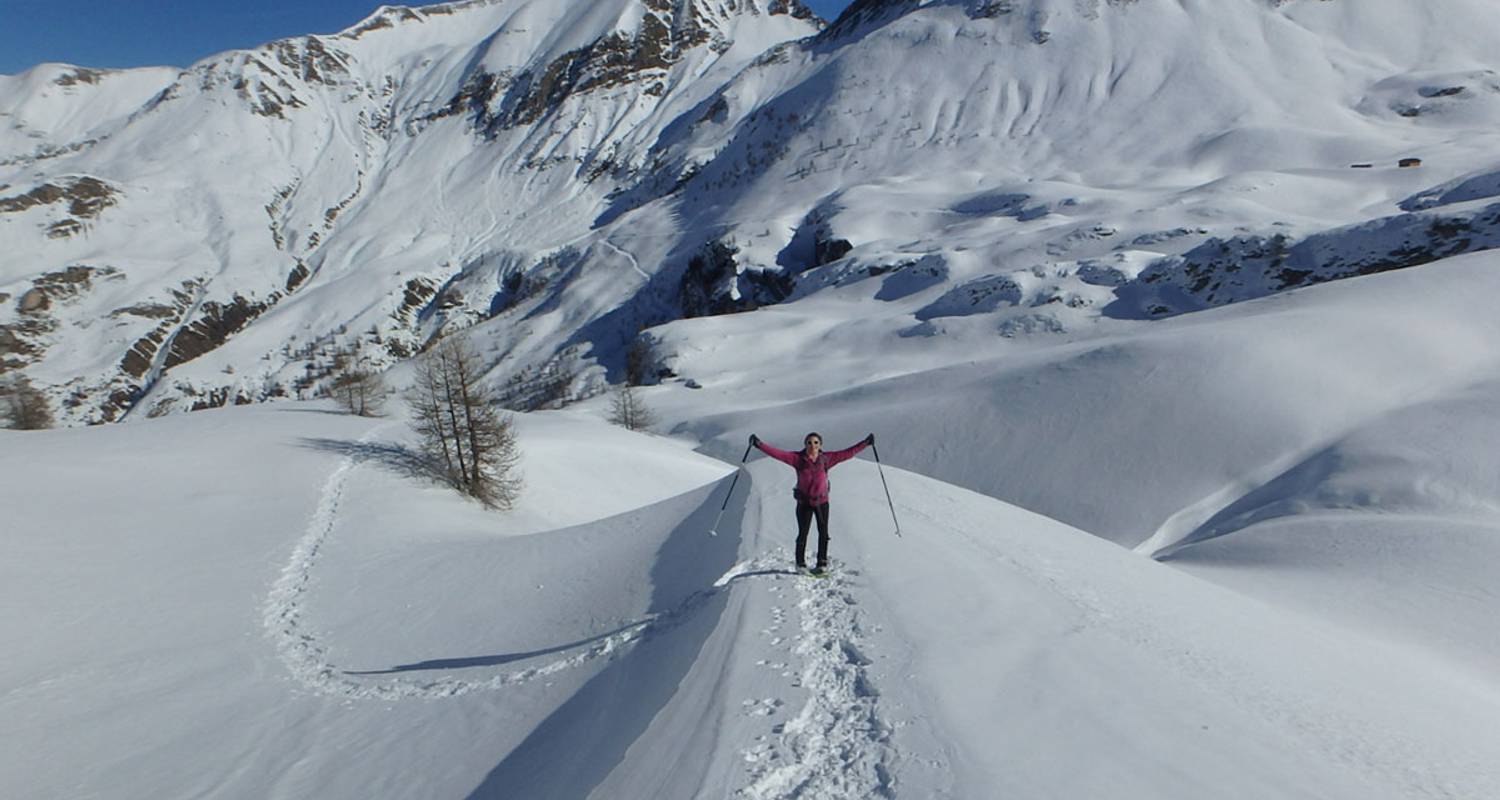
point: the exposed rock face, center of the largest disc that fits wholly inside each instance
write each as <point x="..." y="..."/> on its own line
<point x="64" y="284"/>
<point x="715" y="283"/>
<point x="794" y="8"/>
<point x="608" y="61"/>
<point x="1222" y="271"/>
<point x="417" y="295"/>
<point x="86" y="197"/>
<point x="26" y="340"/>
<point x="297" y="277"/>
<point x="668" y="30"/>
<point x="215" y="323"/>
<point x="34" y="301"/>
<point x="79" y="75"/>
<point x="141" y="355"/>
<point x="14" y="350"/>
<point x="828" y="249"/>
<point x="312" y="60"/>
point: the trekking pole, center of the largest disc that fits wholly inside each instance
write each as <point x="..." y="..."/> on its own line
<point x="887" y="486"/>
<point x="714" y="531"/>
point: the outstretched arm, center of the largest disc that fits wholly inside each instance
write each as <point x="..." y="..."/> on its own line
<point x="840" y="456"/>
<point x="784" y="456"/>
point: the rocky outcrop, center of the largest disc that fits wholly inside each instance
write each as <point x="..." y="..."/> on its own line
<point x="215" y="323"/>
<point x="34" y="301"/>
<point x="63" y="285"/>
<point x="220" y="397"/>
<point x="416" y="296"/>
<point x="77" y="75"/>
<point x="17" y="344"/>
<point x="311" y="60"/>
<point x="715" y="283"/>
<point x="1222" y="271"/>
<point x="142" y="354"/>
<point x="26" y="340"/>
<point x="667" y="32"/>
<point x="86" y="196"/>
<point x="298" y="276"/>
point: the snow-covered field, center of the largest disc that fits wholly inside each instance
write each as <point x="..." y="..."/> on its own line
<point x="266" y="602"/>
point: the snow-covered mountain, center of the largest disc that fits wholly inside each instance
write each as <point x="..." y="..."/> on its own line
<point x="563" y="175"/>
<point x="365" y="173"/>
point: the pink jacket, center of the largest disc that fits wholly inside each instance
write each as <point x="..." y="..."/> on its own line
<point x="812" y="476"/>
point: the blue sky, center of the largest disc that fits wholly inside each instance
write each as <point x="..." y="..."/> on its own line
<point x="133" y="33"/>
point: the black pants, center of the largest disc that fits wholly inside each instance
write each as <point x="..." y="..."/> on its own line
<point x="805" y="514"/>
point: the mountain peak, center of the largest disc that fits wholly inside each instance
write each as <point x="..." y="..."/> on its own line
<point x="386" y="17"/>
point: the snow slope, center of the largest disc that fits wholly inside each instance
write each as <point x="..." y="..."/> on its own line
<point x="267" y="602"/>
<point x="174" y="602"/>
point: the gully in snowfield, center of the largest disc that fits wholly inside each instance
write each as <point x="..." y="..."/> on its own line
<point x="812" y="465"/>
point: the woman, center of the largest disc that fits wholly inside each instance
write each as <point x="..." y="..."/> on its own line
<point x="812" y="465"/>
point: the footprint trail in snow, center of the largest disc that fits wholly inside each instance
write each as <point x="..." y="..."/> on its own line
<point x="837" y="744"/>
<point x="307" y="658"/>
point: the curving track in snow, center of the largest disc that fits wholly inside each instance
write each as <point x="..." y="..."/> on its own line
<point x="306" y="657"/>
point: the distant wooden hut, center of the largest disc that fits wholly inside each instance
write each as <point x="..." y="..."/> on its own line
<point x="1410" y="162"/>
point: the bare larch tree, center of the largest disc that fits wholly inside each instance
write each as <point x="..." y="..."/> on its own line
<point x="358" y="389"/>
<point x="627" y="410"/>
<point x="462" y="429"/>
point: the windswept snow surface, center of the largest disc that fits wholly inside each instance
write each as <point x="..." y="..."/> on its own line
<point x="269" y="603"/>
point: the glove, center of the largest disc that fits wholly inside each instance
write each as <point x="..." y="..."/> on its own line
<point x="870" y="440"/>
<point x="754" y="440"/>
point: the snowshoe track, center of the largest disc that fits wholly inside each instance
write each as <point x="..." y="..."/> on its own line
<point x="307" y="660"/>
<point x="837" y="745"/>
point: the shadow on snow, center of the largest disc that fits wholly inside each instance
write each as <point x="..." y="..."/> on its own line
<point x="575" y="749"/>
<point x="499" y="658"/>
<point x="397" y="458"/>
